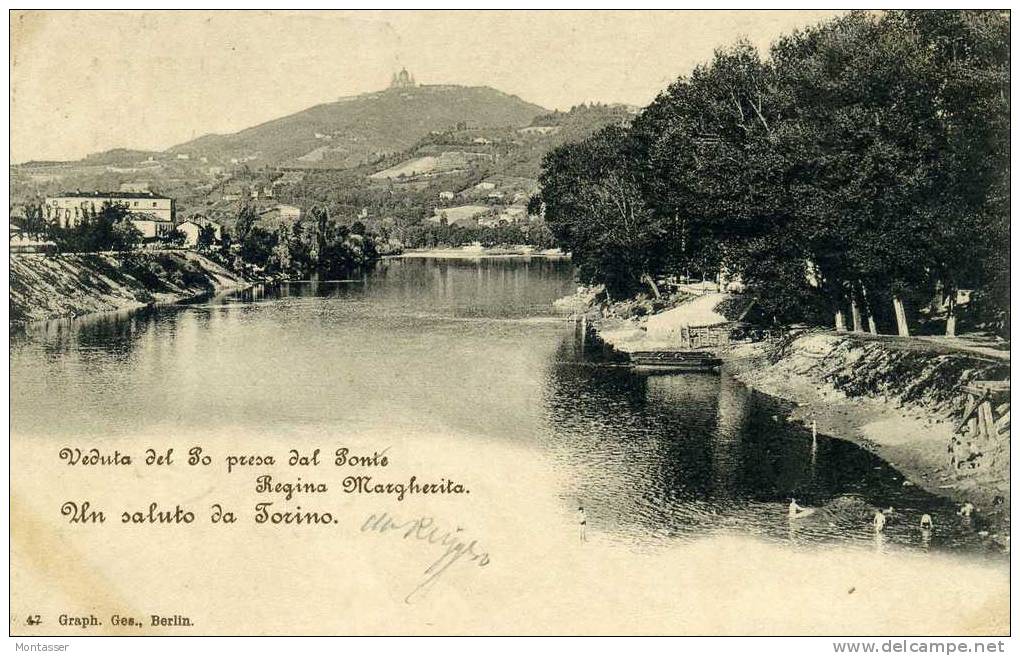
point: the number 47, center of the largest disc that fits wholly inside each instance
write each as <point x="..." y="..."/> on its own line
<point x="33" y="620"/>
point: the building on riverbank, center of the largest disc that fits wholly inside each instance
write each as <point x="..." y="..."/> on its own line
<point x="151" y="226"/>
<point x="68" y="208"/>
<point x="192" y="228"/>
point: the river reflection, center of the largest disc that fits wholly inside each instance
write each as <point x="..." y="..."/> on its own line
<point x="472" y="350"/>
<point x="681" y="456"/>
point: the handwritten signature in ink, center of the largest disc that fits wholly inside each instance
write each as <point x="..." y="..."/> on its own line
<point x="426" y="530"/>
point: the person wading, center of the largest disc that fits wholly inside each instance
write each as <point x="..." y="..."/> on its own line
<point x="879" y="521"/>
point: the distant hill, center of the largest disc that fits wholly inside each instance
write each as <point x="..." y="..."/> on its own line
<point x="362" y="129"/>
<point x="494" y="167"/>
<point x="393" y="152"/>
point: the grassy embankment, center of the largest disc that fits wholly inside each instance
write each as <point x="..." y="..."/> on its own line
<point x="70" y="285"/>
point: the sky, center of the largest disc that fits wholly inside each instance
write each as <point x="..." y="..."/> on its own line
<point x="88" y="81"/>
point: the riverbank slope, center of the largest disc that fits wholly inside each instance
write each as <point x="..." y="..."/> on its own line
<point x="46" y="287"/>
<point x="902" y="404"/>
<point x="900" y="399"/>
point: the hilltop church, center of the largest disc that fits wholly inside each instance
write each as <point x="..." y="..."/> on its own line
<point x="402" y="80"/>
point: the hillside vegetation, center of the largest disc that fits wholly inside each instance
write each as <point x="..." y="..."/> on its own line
<point x="390" y="161"/>
<point x="406" y="185"/>
<point x="354" y="130"/>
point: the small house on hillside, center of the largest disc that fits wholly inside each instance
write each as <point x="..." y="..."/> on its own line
<point x="151" y="226"/>
<point x="191" y="229"/>
<point x="539" y="129"/>
<point x="514" y="214"/>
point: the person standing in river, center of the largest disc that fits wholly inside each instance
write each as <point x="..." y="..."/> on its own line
<point x="582" y="521"/>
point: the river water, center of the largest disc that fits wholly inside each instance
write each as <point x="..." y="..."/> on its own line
<point x="474" y="352"/>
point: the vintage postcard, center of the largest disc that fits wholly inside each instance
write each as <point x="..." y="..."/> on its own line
<point x="510" y="323"/>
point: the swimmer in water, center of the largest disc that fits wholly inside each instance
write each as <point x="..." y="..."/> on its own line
<point x="965" y="510"/>
<point x="879" y="521"/>
<point x="794" y="508"/>
<point x="582" y="520"/>
<point x="926" y="523"/>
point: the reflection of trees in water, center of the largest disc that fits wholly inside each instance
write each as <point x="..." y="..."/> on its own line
<point x="106" y="335"/>
<point x="483" y="287"/>
<point x="111" y="336"/>
<point x="692" y="451"/>
<point x="638" y="444"/>
<point x="686" y="407"/>
<point x="733" y="411"/>
<point x="776" y="461"/>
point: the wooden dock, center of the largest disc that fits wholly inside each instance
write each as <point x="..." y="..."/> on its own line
<point x="674" y="361"/>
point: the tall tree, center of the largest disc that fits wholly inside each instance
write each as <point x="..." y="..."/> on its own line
<point x="594" y="206"/>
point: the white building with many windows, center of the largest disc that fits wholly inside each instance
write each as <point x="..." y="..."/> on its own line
<point x="68" y="208"/>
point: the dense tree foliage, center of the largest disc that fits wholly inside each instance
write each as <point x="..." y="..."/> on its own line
<point x="612" y="231"/>
<point x="206" y="237"/>
<point x="436" y="235"/>
<point x="106" y="229"/>
<point x="863" y="165"/>
<point x="313" y="244"/>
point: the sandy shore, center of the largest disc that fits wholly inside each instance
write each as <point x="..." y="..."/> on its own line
<point x="911" y="437"/>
